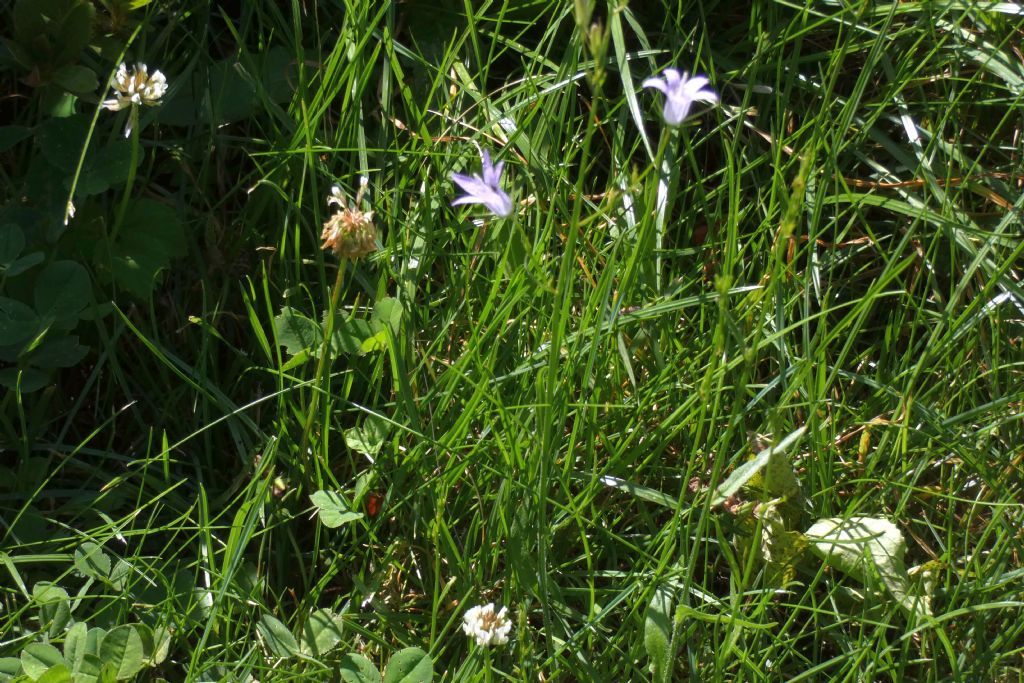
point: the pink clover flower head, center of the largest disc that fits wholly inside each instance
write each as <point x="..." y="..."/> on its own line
<point x="484" y="189"/>
<point x="680" y="93"/>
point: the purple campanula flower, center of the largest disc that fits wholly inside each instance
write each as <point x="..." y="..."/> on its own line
<point x="680" y="94"/>
<point x="485" y="190"/>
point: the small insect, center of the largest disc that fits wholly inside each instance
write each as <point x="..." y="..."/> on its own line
<point x="374" y="503"/>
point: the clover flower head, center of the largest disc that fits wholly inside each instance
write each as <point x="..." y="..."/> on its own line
<point x="485" y="189"/>
<point x="486" y="626"/>
<point x="680" y="92"/>
<point x="350" y="232"/>
<point x="136" y="87"/>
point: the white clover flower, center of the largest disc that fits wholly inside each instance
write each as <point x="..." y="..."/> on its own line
<point x="486" y="626"/>
<point x="485" y="190"/>
<point x="134" y="88"/>
<point x="680" y="94"/>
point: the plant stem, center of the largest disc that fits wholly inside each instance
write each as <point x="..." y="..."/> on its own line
<point x="488" y="672"/>
<point x="129" y="185"/>
<point x="322" y="368"/>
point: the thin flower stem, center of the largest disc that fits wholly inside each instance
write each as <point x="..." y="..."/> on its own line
<point x="130" y="183"/>
<point x="319" y="379"/>
<point x="639" y="262"/>
<point x="551" y="398"/>
<point x="92" y="126"/>
<point x="664" y="191"/>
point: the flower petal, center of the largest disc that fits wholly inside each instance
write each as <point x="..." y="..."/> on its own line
<point x="673" y="77"/>
<point x="656" y="83"/>
<point x="676" y="109"/>
<point x="473" y="184"/>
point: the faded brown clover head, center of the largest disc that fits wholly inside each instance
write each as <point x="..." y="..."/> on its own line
<point x="349" y="232"/>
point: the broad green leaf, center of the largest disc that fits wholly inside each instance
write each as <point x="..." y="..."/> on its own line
<point x="296" y="360"/>
<point x="61" y="140"/>
<point x="146" y="636"/>
<point x="296" y="332"/>
<point x="26" y="380"/>
<point x="10" y="666"/>
<point x="74" y="31"/>
<point x="369" y="437"/>
<point x="18" y="322"/>
<point x="20" y="265"/>
<point x="924" y="579"/>
<point x="54" y="607"/>
<point x="332" y="509"/>
<point x="38" y="658"/>
<point x="108" y="673"/>
<point x="75" y="645"/>
<point x="155" y="643"/>
<point x="742" y="474"/>
<point x="105" y="168"/>
<point x="12" y="242"/>
<point x="52" y="32"/>
<point x="279" y="72"/>
<point x="231" y="93"/>
<point x="321" y="632"/>
<point x="90" y="669"/>
<point x="411" y="665"/>
<point x="12" y="135"/>
<point x="377" y="342"/>
<point x="76" y="78"/>
<point x="62" y="290"/>
<point x="349" y="335"/>
<point x="151" y="236"/>
<point x="781" y="547"/>
<point x="278" y="639"/>
<point x="120" y="573"/>
<point x="658" y="633"/>
<point x="356" y="668"/>
<point x="91" y="561"/>
<point x="94" y="640"/>
<point x="59" y="673"/>
<point x="779" y="479"/>
<point x="387" y="312"/>
<point x="122" y="648"/>
<point x="867" y="548"/>
<point x="161" y="646"/>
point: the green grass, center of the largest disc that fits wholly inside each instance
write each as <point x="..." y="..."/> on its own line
<point x="546" y="423"/>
